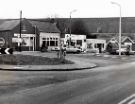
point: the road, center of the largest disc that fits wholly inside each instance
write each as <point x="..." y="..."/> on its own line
<point x="108" y="84"/>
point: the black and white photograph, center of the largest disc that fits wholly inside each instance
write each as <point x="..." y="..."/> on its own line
<point x="67" y="52"/>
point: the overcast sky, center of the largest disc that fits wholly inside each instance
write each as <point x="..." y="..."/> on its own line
<point x="62" y="8"/>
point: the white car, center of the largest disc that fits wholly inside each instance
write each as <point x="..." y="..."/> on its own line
<point x="73" y="50"/>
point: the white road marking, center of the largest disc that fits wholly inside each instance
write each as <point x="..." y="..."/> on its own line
<point x="130" y="99"/>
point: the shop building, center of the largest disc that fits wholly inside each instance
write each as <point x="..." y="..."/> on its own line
<point x="29" y="35"/>
<point x="75" y="40"/>
<point x="94" y="45"/>
<point x="16" y="36"/>
<point x="49" y="34"/>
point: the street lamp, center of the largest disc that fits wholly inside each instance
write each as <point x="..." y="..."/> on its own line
<point x="119" y="27"/>
<point x="20" y="49"/>
<point x="70" y="25"/>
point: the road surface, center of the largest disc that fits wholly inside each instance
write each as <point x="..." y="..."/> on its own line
<point x="113" y="82"/>
<point x="103" y="85"/>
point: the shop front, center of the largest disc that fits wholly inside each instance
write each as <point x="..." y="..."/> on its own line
<point x="49" y="40"/>
<point x="26" y="41"/>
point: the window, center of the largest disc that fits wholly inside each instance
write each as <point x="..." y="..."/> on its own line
<point x="44" y="38"/>
<point x="47" y="43"/>
<point x="52" y="43"/>
<point x="89" y="45"/>
<point x="72" y="43"/>
<point x="79" y="42"/>
<point x="95" y="45"/>
<point x="103" y="45"/>
<point x="56" y="43"/>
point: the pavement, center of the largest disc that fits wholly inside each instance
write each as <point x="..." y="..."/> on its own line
<point x="78" y="64"/>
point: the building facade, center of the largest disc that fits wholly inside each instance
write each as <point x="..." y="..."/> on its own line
<point x="75" y="40"/>
<point x="29" y="36"/>
<point x="96" y="45"/>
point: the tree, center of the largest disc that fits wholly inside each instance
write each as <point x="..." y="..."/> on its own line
<point x="78" y="27"/>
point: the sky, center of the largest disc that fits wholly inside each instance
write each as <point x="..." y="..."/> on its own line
<point x="62" y="8"/>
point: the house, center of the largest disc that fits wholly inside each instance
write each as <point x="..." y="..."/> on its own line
<point x="125" y="41"/>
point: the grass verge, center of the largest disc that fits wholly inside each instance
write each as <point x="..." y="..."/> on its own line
<point x="31" y="60"/>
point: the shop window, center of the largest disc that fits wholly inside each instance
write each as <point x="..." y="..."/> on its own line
<point x="72" y="43"/>
<point x="44" y="44"/>
<point x="95" y="45"/>
<point x="56" y="43"/>
<point x="99" y="45"/>
<point x="89" y="45"/>
<point x="79" y="42"/>
<point x="52" y="43"/>
<point x="103" y="45"/>
<point x="47" y="43"/>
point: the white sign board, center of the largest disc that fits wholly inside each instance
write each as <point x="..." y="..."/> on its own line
<point x="17" y="40"/>
<point x="24" y="35"/>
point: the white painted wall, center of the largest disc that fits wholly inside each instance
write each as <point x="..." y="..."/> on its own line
<point x="75" y="37"/>
<point x="93" y="42"/>
<point x="49" y="35"/>
<point x="25" y="38"/>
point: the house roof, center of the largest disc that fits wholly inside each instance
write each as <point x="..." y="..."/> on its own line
<point x="123" y="38"/>
<point x="8" y="24"/>
<point x="45" y="26"/>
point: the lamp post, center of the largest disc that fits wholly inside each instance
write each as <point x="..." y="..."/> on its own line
<point x="35" y="37"/>
<point x="71" y="25"/>
<point x="119" y="27"/>
<point x="20" y="30"/>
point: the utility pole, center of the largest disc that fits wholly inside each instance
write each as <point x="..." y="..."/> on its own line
<point x="71" y="25"/>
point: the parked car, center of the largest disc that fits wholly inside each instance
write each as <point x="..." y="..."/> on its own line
<point x="73" y="50"/>
<point x="55" y="49"/>
<point x="124" y="51"/>
<point x="92" y="50"/>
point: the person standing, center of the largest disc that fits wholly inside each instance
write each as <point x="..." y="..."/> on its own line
<point x="128" y="50"/>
